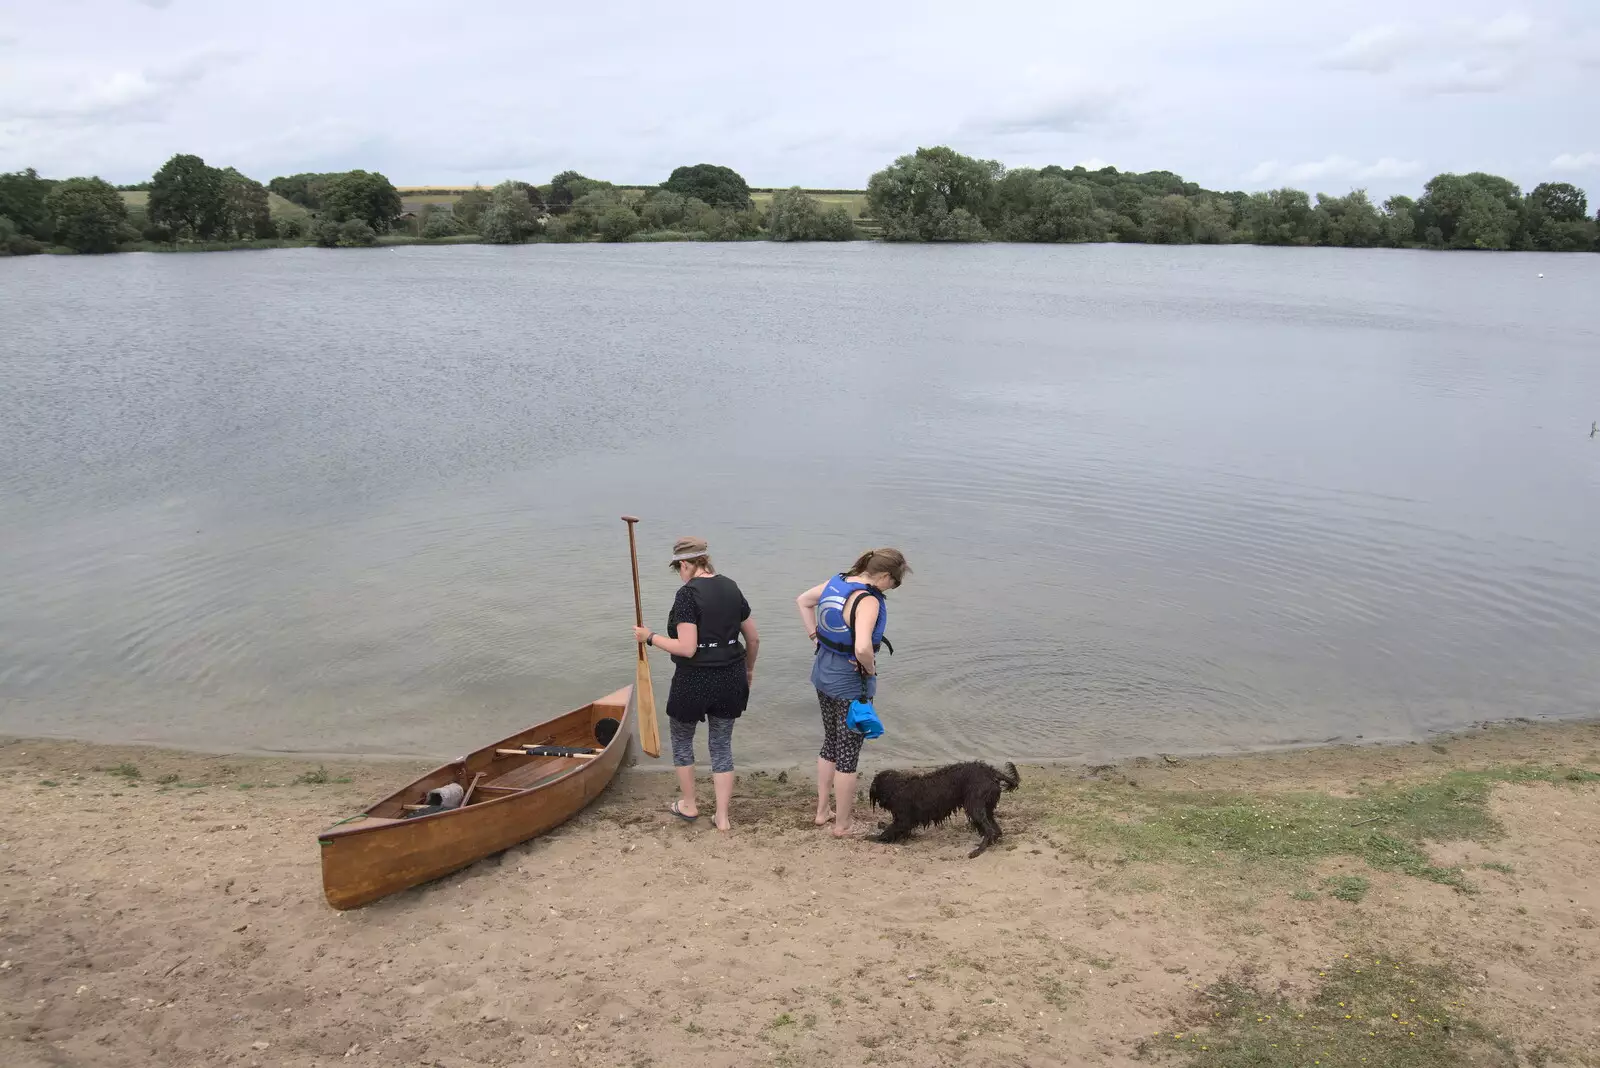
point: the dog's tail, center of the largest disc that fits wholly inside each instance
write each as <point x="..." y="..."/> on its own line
<point x="1009" y="779"/>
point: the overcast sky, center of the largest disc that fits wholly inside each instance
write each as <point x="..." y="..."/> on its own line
<point x="1230" y="93"/>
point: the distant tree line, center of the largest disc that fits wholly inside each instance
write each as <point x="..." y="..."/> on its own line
<point x="933" y="194"/>
<point x="189" y="203"/>
<point x="937" y="194"/>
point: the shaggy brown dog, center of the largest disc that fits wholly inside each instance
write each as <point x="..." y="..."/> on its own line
<point x="924" y="798"/>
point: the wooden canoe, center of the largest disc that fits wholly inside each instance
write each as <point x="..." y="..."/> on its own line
<point x="516" y="796"/>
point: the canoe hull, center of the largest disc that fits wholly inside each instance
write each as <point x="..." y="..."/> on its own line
<point x="381" y="853"/>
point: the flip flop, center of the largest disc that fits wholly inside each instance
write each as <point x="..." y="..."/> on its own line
<point x="673" y="808"/>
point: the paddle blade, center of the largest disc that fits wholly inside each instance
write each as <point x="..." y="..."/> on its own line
<point x="644" y="692"/>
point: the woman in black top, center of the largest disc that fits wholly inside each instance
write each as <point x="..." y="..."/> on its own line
<point x="713" y="674"/>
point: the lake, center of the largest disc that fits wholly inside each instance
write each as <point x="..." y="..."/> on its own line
<point x="1155" y="499"/>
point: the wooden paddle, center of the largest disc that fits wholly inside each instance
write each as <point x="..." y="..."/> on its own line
<point x="644" y="693"/>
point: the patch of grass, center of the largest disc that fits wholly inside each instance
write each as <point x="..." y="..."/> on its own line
<point x="48" y="782"/>
<point x="783" y="1019"/>
<point x="1351" y="888"/>
<point x="1495" y="865"/>
<point x="1057" y="992"/>
<point x="694" y="1028"/>
<point x="247" y="786"/>
<point x="167" y="780"/>
<point x="1368" y="1011"/>
<point x="312" y="778"/>
<point x="126" y="771"/>
<point x="1304" y="895"/>
<point x="1385" y="826"/>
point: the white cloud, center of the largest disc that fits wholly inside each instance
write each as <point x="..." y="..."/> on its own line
<point x="1377" y="50"/>
<point x="1511" y="30"/>
<point x="1051" y="109"/>
<point x="1094" y="163"/>
<point x="1448" y="56"/>
<point x="1466" y="77"/>
<point x="1331" y="168"/>
<point x="1572" y="163"/>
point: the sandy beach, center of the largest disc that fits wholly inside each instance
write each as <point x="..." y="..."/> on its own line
<point x="165" y="908"/>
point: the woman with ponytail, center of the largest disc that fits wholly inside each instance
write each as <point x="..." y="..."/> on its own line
<point x="845" y="618"/>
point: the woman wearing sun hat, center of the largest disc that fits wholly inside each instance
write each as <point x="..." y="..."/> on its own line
<point x="714" y="669"/>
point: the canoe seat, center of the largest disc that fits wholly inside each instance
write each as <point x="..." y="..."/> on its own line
<point x="535" y="773"/>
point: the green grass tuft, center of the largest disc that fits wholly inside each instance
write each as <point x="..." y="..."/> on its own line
<point x="1351" y="888"/>
<point x="1385" y="826"/>
<point x="126" y="770"/>
<point x="312" y="778"/>
<point x="1370" y="1011"/>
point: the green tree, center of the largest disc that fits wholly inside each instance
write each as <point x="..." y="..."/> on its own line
<point x="469" y="206"/>
<point x="561" y="191"/>
<point x="23" y="196"/>
<point x="187" y="197"/>
<point x="1477" y="210"/>
<point x="1349" y="221"/>
<point x="1211" y="220"/>
<point x="794" y="216"/>
<point x="363" y="195"/>
<point x="245" y="211"/>
<point x="440" y="224"/>
<point x="618" y="223"/>
<point x="934" y="194"/>
<point x="583" y="220"/>
<point x="721" y="187"/>
<point x="1169" y="220"/>
<point x="306" y="190"/>
<point x="1399" y="222"/>
<point x="662" y="209"/>
<point x="510" y="217"/>
<point x="13" y="242"/>
<point x="1281" y="217"/>
<point x="1560" y="201"/>
<point x="1558" y="218"/>
<point x="87" y="214"/>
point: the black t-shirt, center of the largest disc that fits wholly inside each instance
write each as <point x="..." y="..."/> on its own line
<point x="716" y="607"/>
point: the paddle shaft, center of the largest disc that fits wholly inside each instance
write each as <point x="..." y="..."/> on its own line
<point x="633" y="555"/>
<point x="644" y="690"/>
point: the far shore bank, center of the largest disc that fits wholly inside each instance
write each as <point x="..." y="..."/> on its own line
<point x="1430" y="904"/>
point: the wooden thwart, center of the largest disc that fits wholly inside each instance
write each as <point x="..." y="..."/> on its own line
<point x="554" y="756"/>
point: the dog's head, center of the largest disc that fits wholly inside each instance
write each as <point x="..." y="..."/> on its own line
<point x="881" y="793"/>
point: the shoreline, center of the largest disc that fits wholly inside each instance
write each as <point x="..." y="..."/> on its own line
<point x="164" y="908"/>
<point x="641" y="765"/>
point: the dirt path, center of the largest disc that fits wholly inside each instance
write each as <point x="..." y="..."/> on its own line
<point x="180" y="922"/>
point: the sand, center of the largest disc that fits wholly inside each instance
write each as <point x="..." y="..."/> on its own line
<point x="181" y="923"/>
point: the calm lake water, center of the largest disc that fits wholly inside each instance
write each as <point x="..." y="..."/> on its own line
<point x="1170" y="499"/>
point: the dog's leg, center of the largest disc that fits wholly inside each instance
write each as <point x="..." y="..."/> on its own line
<point x="985" y="822"/>
<point x="894" y="832"/>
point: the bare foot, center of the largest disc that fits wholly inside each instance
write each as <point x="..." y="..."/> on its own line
<point x="824" y="818"/>
<point x="723" y="826"/>
<point x="855" y="830"/>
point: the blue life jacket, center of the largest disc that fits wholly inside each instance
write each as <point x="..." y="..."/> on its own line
<point x="835" y="630"/>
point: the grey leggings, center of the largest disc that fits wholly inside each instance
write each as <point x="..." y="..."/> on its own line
<point x="719" y="736"/>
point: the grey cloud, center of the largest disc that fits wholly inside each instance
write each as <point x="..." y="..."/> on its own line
<point x="157" y="4"/>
